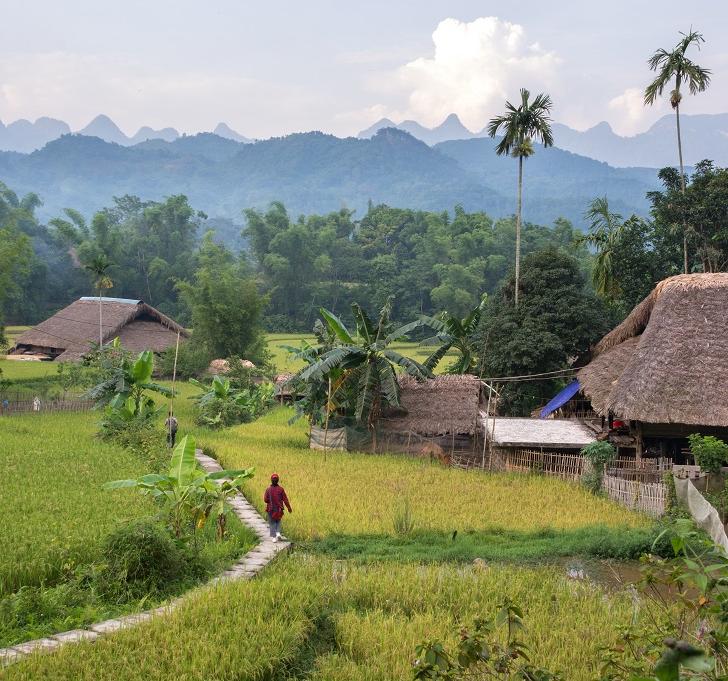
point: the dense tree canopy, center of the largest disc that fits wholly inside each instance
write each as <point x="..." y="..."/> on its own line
<point x="556" y="320"/>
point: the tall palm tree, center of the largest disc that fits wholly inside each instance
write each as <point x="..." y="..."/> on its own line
<point x="675" y="64"/>
<point x="605" y="230"/>
<point x="99" y="268"/>
<point x="520" y="125"/>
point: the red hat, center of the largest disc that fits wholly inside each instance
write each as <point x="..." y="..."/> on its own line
<point x="274" y="477"/>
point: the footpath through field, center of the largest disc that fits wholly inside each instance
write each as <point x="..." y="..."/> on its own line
<point x="246" y="568"/>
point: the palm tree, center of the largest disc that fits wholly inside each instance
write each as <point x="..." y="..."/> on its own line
<point x="454" y="333"/>
<point x="520" y="125"/>
<point x="605" y="230"/>
<point x="676" y="64"/>
<point x="99" y="267"/>
<point x="364" y="364"/>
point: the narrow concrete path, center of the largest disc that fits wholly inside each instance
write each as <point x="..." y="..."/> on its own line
<point x="251" y="564"/>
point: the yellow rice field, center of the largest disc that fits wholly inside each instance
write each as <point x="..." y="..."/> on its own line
<point x="354" y="493"/>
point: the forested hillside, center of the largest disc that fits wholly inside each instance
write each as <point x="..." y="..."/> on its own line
<point x="317" y="173"/>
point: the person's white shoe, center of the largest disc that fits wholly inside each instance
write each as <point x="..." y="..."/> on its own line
<point x="274" y="539"/>
<point x="278" y="536"/>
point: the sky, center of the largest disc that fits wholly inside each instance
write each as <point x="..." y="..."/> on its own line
<point x="277" y="67"/>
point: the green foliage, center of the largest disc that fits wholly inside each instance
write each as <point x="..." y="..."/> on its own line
<point x="490" y="649"/>
<point x="220" y="405"/>
<point x="555" y="321"/>
<point x="498" y="545"/>
<point x="193" y="359"/>
<point x="138" y="559"/>
<point x="15" y="251"/>
<point x="455" y="333"/>
<point x="710" y="453"/>
<point x="186" y="494"/>
<point x="358" y="374"/>
<point x="598" y="454"/>
<point x="684" y="634"/>
<point x="227" y="310"/>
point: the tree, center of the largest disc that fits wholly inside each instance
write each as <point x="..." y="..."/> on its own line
<point x="605" y="231"/>
<point x="675" y="64"/>
<point x="454" y="333"/>
<point x="99" y="267"/>
<point x="520" y="125"/>
<point x="365" y="363"/>
<point x="14" y="243"/>
<point x="555" y="322"/>
<point x="227" y="310"/>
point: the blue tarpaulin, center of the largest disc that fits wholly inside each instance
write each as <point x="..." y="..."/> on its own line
<point x="561" y="399"/>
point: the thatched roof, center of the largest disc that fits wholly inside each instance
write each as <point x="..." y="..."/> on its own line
<point x="668" y="361"/>
<point x="439" y="406"/>
<point x="551" y="433"/>
<point x="66" y="334"/>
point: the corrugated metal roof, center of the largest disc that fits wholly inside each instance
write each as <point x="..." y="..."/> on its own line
<point x="528" y="432"/>
<point x="112" y="300"/>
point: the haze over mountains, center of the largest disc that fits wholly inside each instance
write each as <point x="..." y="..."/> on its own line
<point x="317" y="173"/>
<point x="703" y="135"/>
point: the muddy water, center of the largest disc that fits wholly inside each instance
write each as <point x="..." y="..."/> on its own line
<point x="610" y="574"/>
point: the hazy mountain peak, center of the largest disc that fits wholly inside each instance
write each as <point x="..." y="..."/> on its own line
<point x="223" y="130"/>
<point x="146" y="133"/>
<point x="102" y="126"/>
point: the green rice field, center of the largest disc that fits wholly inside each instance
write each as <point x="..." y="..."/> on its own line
<point x="362" y="589"/>
<point x="52" y="508"/>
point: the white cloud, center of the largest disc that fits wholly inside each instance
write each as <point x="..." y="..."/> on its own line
<point x="631" y="116"/>
<point x="476" y="67"/>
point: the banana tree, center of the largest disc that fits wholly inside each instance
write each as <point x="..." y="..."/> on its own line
<point x="127" y="380"/>
<point x="222" y="405"/>
<point x="454" y="333"/>
<point x="186" y="491"/>
<point x="366" y="363"/>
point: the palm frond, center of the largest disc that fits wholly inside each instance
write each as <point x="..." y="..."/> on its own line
<point x="434" y="359"/>
<point x="342" y="333"/>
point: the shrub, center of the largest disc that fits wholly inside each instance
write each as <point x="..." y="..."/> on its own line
<point x="598" y="454"/>
<point x="138" y="558"/>
<point x="193" y="359"/>
<point x="709" y="452"/>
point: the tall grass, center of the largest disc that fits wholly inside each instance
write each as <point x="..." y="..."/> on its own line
<point x="52" y="508"/>
<point x="355" y="493"/>
<point x="265" y="629"/>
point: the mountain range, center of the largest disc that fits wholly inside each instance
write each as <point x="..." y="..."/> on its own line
<point x="703" y="136"/>
<point x="318" y="173"/>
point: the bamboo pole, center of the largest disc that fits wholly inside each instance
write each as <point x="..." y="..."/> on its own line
<point x="326" y="427"/>
<point x="174" y="383"/>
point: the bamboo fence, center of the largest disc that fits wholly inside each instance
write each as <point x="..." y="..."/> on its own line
<point x="648" y="497"/>
<point x="638" y="485"/>
<point x="557" y="464"/>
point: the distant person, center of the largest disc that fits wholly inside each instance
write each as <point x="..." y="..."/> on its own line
<point x="36" y="403"/>
<point x="275" y="497"/>
<point x="171" y="425"/>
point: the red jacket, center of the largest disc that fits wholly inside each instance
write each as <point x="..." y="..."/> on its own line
<point x="275" y="495"/>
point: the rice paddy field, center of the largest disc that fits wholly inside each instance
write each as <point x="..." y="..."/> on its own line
<point x="401" y="574"/>
<point x="53" y="511"/>
<point x="323" y="620"/>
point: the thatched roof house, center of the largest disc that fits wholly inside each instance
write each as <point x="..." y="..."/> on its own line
<point x="66" y="335"/>
<point x="440" y="406"/>
<point x="667" y="363"/>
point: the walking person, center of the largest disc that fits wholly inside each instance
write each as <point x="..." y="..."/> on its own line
<point x="275" y="497"/>
<point x="171" y="426"/>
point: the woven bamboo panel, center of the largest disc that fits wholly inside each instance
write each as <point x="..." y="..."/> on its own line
<point x="556" y="464"/>
<point x="649" y="497"/>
